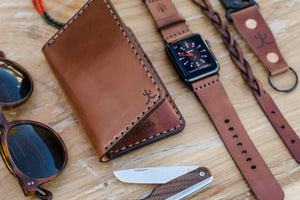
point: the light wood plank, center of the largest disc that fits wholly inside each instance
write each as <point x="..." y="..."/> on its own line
<point x="23" y="34"/>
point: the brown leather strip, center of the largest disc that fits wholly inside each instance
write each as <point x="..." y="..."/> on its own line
<point x="213" y="97"/>
<point x="170" y="23"/>
<point x="287" y="134"/>
<point x="279" y="123"/>
<point x="251" y="24"/>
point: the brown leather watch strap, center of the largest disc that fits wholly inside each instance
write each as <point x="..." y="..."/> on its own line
<point x="216" y="102"/>
<point x="169" y="22"/>
<point x="251" y="24"/>
<point x="284" y="130"/>
<point x="213" y="97"/>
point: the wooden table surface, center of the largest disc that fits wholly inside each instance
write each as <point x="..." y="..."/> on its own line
<point x="23" y="33"/>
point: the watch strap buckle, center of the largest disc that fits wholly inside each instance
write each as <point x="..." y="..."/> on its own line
<point x="236" y="5"/>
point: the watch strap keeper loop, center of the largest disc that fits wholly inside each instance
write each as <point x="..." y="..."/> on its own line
<point x="168" y="21"/>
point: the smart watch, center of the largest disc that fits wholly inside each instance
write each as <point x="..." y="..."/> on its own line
<point x="192" y="58"/>
<point x="195" y="63"/>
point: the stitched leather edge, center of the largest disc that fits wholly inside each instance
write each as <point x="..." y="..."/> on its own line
<point x="206" y="84"/>
<point x="176" y="34"/>
<point x="153" y="136"/>
<point x="145" y="68"/>
<point x="58" y="34"/>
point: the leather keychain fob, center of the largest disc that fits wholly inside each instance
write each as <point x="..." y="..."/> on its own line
<point x="250" y="23"/>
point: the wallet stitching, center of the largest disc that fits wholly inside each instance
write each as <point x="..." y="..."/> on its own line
<point x="206" y="84"/>
<point x="153" y="136"/>
<point x="144" y="67"/>
<point x="53" y="39"/>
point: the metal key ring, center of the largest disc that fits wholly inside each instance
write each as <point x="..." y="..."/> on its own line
<point x="287" y="90"/>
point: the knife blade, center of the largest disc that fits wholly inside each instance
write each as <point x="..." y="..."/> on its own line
<point x="182" y="186"/>
<point x="154" y="175"/>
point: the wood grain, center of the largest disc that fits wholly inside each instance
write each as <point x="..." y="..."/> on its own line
<point x="183" y="186"/>
<point x="23" y="33"/>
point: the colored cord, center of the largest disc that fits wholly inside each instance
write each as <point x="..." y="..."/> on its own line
<point x="39" y="6"/>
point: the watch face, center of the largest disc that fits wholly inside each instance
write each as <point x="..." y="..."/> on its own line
<point x="193" y="58"/>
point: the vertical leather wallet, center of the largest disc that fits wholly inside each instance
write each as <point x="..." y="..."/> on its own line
<point x="110" y="83"/>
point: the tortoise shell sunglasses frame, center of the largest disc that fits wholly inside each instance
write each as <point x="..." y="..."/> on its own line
<point x="28" y="184"/>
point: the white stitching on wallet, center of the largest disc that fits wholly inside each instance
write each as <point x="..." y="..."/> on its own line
<point x="144" y="66"/>
<point x="53" y="39"/>
<point x="151" y="137"/>
<point x="69" y="23"/>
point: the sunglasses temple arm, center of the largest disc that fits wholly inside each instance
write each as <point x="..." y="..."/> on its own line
<point x="43" y="194"/>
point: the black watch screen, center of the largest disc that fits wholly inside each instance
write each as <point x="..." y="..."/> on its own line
<point x="192" y="58"/>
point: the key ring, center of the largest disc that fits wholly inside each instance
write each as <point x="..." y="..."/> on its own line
<point x="287" y="90"/>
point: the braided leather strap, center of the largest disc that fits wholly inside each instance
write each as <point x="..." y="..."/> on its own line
<point x="265" y="101"/>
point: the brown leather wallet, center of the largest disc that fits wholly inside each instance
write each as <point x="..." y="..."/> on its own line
<point x="110" y="83"/>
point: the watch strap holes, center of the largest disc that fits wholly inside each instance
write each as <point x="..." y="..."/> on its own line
<point x="293" y="141"/>
<point x="273" y="112"/>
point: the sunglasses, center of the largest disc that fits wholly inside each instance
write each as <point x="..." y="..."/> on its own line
<point x="32" y="151"/>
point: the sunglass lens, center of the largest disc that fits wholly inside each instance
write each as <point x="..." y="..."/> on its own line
<point x="35" y="150"/>
<point x="14" y="84"/>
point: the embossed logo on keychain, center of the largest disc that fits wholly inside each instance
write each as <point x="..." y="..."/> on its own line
<point x="161" y="7"/>
<point x="263" y="40"/>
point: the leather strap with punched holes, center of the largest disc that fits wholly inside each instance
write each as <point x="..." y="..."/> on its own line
<point x="213" y="97"/>
<point x="282" y="127"/>
<point x="250" y="23"/>
<point x="216" y="102"/>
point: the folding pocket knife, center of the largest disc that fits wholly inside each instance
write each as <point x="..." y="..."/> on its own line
<point x="176" y="182"/>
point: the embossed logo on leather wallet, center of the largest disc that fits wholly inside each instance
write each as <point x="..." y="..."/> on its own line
<point x="114" y="91"/>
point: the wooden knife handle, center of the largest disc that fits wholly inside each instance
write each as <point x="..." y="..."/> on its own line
<point x="179" y="184"/>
